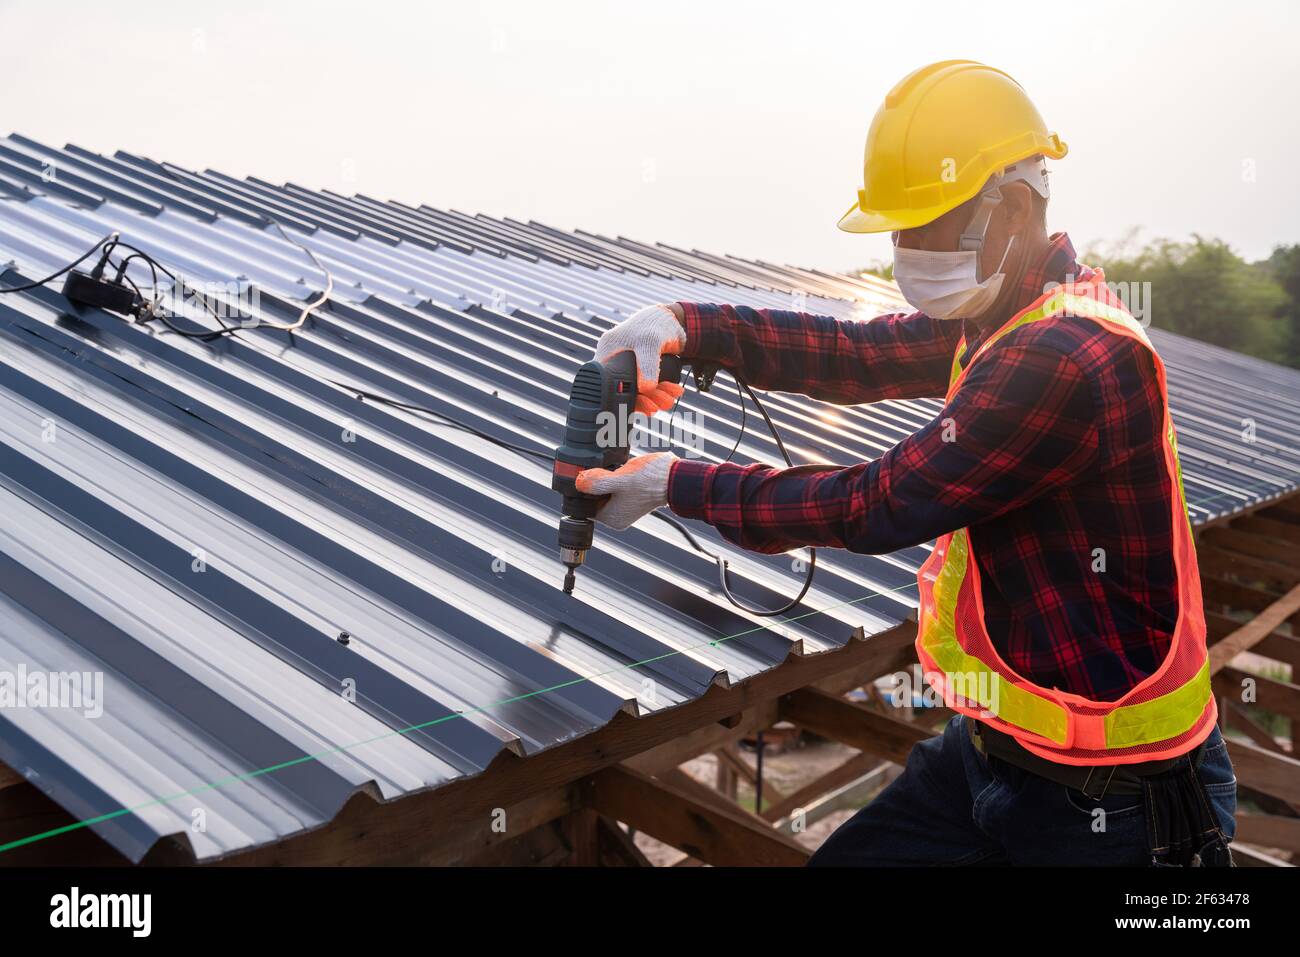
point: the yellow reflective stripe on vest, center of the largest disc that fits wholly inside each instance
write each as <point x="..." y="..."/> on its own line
<point x="1160" y="718"/>
<point x="969" y="677"/>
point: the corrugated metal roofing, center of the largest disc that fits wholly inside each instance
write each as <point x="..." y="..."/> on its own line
<point x="199" y="522"/>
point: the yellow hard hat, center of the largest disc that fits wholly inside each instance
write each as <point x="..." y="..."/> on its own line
<point x="937" y="138"/>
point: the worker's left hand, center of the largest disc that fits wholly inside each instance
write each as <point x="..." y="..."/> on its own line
<point x="636" y="489"/>
<point x="649" y="333"/>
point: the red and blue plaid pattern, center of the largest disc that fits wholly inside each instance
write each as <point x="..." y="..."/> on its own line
<point x="1049" y="452"/>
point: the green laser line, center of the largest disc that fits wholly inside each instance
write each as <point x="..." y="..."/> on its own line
<point x="270" y="769"/>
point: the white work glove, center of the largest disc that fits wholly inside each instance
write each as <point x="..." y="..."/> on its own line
<point x="634" y="490"/>
<point x="648" y="333"/>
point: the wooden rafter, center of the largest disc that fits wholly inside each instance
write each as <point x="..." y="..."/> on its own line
<point x="1250" y="857"/>
<point x="1281" y="553"/>
<point x="1226" y="563"/>
<point x="717" y="833"/>
<point x="1253" y="632"/>
<point x="1268" y="527"/>
<point x="732" y="756"/>
<point x="1245" y="722"/>
<point x="1217" y="590"/>
<point x="852" y="724"/>
<point x="1280" y="697"/>
<point x="617" y="846"/>
<point x="1283" y="648"/>
<point x="845" y="773"/>
<point x="1275" y="774"/>
<point x="1269" y="830"/>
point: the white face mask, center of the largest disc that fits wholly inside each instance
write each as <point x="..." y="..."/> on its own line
<point x="945" y="285"/>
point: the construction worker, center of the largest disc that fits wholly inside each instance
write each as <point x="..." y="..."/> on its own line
<point x="1060" y="610"/>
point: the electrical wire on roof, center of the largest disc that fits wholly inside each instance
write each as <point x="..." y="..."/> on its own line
<point x="364" y="396"/>
<point x="723" y="576"/>
<point x="150" y="310"/>
<point x="320" y="300"/>
<point x="144" y="310"/>
<point x="106" y="243"/>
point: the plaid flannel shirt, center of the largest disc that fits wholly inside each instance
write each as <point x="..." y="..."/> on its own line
<point x="1057" y="454"/>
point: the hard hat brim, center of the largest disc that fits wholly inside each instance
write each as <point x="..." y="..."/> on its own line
<point x="858" y="220"/>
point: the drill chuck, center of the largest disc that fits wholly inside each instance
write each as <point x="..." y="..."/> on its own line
<point x="575" y="538"/>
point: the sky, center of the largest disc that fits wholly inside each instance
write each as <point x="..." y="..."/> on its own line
<point x="729" y="127"/>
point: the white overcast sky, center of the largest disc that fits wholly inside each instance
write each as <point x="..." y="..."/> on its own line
<point x="732" y="127"/>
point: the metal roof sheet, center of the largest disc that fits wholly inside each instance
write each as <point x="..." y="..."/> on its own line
<point x="199" y="522"/>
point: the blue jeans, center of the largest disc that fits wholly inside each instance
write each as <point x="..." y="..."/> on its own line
<point x="954" y="806"/>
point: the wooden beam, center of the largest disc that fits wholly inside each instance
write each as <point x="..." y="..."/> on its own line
<point x="1288" y="509"/>
<point x="1283" y="554"/>
<point x="859" y="727"/>
<point x="1243" y="720"/>
<point x="1263" y="525"/>
<point x="9" y="777"/>
<point x="718" y="835"/>
<point x="1274" y="774"/>
<point x="1280" y="697"/>
<point x="581" y="834"/>
<point x="543" y="846"/>
<point x="1281" y="648"/>
<point x="725" y="780"/>
<point x="700" y="792"/>
<point x="1233" y="594"/>
<point x="1269" y="830"/>
<point x="1249" y="857"/>
<point x="408" y="835"/>
<point x="1224" y="563"/>
<point x="731" y="754"/>
<point x="850" y="770"/>
<point x="463" y="805"/>
<point x="617" y="847"/>
<point x="702" y="740"/>
<point x="1250" y="634"/>
<point x="1265" y="802"/>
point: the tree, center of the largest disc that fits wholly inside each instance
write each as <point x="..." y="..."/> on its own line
<point x="1284" y="265"/>
<point x="1204" y="290"/>
<point x="885" y="270"/>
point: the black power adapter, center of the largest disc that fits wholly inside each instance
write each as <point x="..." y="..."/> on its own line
<point x="88" y="289"/>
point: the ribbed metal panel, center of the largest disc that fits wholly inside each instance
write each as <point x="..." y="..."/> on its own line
<point x="200" y="522"/>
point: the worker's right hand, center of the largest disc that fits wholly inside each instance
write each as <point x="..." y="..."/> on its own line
<point x="648" y="333"/>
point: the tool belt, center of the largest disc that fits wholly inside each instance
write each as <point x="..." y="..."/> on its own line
<point x="1094" y="781"/>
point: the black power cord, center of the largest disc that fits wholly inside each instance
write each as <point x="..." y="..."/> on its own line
<point x="149" y="311"/>
<point x="152" y="310"/>
<point x="144" y="311"/>
<point x="104" y="246"/>
<point x="723" y="577"/>
<point x="364" y="396"/>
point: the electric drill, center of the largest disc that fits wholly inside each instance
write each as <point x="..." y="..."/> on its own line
<point x="596" y="436"/>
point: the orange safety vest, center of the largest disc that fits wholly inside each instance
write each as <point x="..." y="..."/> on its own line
<point x="1167" y="714"/>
